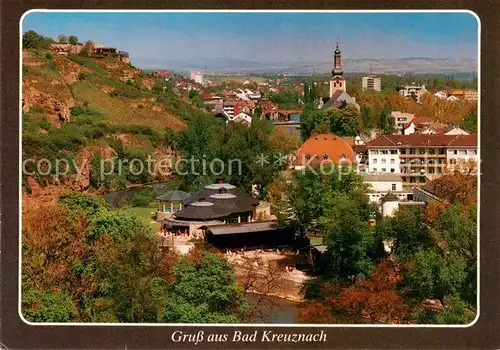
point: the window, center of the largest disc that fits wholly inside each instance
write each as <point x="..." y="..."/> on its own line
<point x="392" y="170"/>
<point x="375" y="160"/>
<point x="394" y="187"/>
<point x="412" y="150"/>
<point x="432" y="151"/>
<point x="308" y="156"/>
<point x="375" y="169"/>
<point x="421" y="151"/>
<point x="462" y="152"/>
<point x="374" y="151"/>
<point x="383" y="170"/>
<point x="325" y="156"/>
<point x="455" y="152"/>
<point x="453" y="161"/>
<point x="393" y="161"/>
<point x="384" y="160"/>
<point x="431" y="170"/>
<point x="474" y="151"/>
<point x="384" y="151"/>
<point x="441" y="151"/>
<point x="402" y="151"/>
<point x="394" y="151"/>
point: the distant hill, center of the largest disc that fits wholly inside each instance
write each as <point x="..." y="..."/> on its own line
<point x="361" y="65"/>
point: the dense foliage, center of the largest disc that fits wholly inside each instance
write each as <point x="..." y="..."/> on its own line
<point x="83" y="262"/>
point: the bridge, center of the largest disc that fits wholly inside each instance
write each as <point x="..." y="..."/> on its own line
<point x="282" y="115"/>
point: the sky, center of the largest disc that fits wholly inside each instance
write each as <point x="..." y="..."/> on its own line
<point x="268" y="37"/>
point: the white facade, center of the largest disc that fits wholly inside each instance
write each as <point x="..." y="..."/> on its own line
<point x="371" y="83"/>
<point x="197" y="77"/>
<point x="242" y="116"/>
<point x="441" y="95"/>
<point x="383" y="160"/>
<point x="401" y="119"/>
<point x="413" y="90"/>
<point x="389" y="208"/>
<point x="461" y="159"/>
<point x="452" y="98"/>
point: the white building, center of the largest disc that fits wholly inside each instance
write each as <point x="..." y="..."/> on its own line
<point x="382" y="184"/>
<point x="452" y="98"/>
<point x="413" y="91"/>
<point x="371" y="83"/>
<point x="441" y="95"/>
<point x="418" y="158"/>
<point x="401" y="119"/>
<point x="197" y="77"/>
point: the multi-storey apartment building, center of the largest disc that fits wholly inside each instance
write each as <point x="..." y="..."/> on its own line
<point x="413" y="91"/>
<point x="419" y="158"/>
<point x="371" y="83"/>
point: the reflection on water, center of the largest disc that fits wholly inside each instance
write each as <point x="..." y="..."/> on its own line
<point x="264" y="309"/>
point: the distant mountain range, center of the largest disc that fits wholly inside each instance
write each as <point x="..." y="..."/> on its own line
<point x="361" y="65"/>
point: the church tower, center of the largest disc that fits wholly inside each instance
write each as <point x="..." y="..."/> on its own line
<point x="337" y="82"/>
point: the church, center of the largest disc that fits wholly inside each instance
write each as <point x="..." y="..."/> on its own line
<point x="338" y="92"/>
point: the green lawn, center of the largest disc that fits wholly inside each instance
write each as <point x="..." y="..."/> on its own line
<point x="145" y="212"/>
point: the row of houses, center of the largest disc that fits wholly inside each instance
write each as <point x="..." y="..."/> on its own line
<point x="417" y="91"/>
<point x="407" y="123"/>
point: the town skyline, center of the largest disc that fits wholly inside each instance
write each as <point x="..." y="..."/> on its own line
<point x="268" y="37"/>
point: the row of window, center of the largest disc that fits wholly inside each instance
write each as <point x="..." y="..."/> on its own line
<point x="383" y="151"/>
<point x="325" y="157"/>
<point x="423" y="151"/>
<point x="384" y="161"/>
<point x="428" y="170"/>
<point x="463" y="151"/>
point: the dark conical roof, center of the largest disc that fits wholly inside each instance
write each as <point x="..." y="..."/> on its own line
<point x="174" y="195"/>
<point x="389" y="197"/>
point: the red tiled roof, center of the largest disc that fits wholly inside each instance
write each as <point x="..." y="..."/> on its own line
<point x="417" y="121"/>
<point x="325" y="144"/>
<point x="416" y="140"/>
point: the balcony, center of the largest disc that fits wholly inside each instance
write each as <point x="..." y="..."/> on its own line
<point x="407" y="155"/>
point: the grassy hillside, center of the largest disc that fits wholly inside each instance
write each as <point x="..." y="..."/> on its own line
<point x="86" y="109"/>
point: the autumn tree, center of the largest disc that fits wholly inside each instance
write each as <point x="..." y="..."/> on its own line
<point x="374" y="299"/>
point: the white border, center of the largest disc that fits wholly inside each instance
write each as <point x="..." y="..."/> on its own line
<point x="70" y="324"/>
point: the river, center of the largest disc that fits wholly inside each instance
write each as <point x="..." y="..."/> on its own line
<point x="271" y="310"/>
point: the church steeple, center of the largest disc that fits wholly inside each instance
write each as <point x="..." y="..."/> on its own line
<point x="337" y="81"/>
<point x="337" y="62"/>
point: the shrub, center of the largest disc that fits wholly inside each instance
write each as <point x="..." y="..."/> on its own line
<point x="141" y="199"/>
<point x="48" y="56"/>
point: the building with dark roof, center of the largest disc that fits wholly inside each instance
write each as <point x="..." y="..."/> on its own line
<point x="215" y="204"/>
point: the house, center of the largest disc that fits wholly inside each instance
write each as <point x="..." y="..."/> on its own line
<point x="458" y="93"/>
<point x="471" y="95"/>
<point x="382" y="184"/>
<point x="420" y="157"/>
<point x="325" y="149"/>
<point x="441" y="95"/>
<point x="197" y="77"/>
<point x="230" y="107"/>
<point x="215" y="204"/>
<point x="391" y="203"/>
<point x="452" y="98"/>
<point x="106" y="51"/>
<point x="416" y="124"/>
<point x="413" y="91"/>
<point x="242" y="118"/>
<point x="401" y="119"/>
